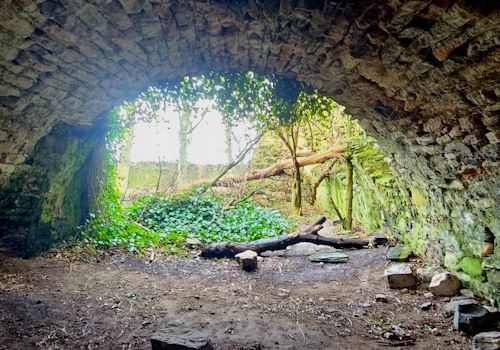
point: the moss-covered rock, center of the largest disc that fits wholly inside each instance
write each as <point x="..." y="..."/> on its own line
<point x="471" y="266"/>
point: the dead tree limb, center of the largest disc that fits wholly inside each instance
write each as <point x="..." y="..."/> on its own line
<point x="280" y="167"/>
<point x="307" y="234"/>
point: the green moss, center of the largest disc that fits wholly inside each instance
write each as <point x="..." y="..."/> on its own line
<point x="452" y="260"/>
<point x="471" y="266"/>
<point x="417" y="198"/>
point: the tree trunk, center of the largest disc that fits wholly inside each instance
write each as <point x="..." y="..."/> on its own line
<point x="349" y="194"/>
<point x="280" y="167"/>
<point x="308" y="234"/>
<point x="228" y="142"/>
<point x="334" y="205"/>
<point x="184" y="127"/>
<point x="296" y="189"/>
<point x="160" y="173"/>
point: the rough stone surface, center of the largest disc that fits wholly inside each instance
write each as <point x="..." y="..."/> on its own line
<point x="425" y="274"/>
<point x="399" y="253"/>
<point x="486" y="341"/>
<point x="444" y="284"/>
<point x="449" y="308"/>
<point x="247" y="260"/>
<point x="400" y="276"/>
<point x="305" y="249"/>
<point x="329" y="257"/>
<point x="474" y="318"/>
<point x="422" y="77"/>
<point x="179" y="339"/>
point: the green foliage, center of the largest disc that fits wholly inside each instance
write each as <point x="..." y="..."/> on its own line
<point x="203" y="217"/>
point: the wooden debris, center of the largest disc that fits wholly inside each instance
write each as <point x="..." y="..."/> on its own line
<point x="308" y="234"/>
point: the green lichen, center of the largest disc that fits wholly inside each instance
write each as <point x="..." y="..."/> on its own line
<point x="452" y="260"/>
<point x="471" y="266"/>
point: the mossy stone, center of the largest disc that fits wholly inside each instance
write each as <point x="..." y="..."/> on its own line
<point x="452" y="260"/>
<point x="399" y="253"/>
<point x="471" y="266"/>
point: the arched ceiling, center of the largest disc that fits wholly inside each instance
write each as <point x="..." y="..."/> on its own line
<point x="386" y="60"/>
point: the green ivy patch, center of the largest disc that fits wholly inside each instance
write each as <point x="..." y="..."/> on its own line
<point x="204" y="218"/>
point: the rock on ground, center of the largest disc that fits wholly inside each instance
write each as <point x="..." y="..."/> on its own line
<point x="248" y="260"/>
<point x="449" y="309"/>
<point x="329" y="257"/>
<point x="473" y="319"/>
<point x="425" y="274"/>
<point x="181" y="339"/>
<point x="444" y="284"/>
<point x="486" y="341"/>
<point x="399" y="253"/>
<point x="400" y="276"/>
<point x="305" y="248"/>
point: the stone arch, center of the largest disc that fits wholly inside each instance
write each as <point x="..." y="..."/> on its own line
<point x="422" y="77"/>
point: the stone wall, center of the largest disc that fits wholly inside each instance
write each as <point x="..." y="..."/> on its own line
<point x="422" y="77"/>
<point x="47" y="197"/>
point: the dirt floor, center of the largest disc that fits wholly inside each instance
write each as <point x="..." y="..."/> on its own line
<point x="290" y="303"/>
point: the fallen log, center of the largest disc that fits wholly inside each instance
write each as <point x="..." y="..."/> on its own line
<point x="280" y="167"/>
<point x="307" y="234"/>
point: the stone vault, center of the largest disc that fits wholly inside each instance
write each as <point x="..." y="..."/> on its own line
<point x="421" y="76"/>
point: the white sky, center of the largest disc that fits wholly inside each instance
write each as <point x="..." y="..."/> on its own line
<point x="207" y="142"/>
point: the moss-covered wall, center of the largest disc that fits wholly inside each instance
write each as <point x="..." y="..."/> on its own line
<point x="454" y="222"/>
<point x="48" y="197"/>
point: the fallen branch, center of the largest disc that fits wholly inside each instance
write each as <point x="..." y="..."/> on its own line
<point x="280" y="167"/>
<point x="307" y="234"/>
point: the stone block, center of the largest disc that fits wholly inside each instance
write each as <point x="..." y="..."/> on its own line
<point x="329" y="257"/>
<point x="247" y="260"/>
<point x="444" y="284"/>
<point x="449" y="308"/>
<point x="486" y="341"/>
<point x="400" y="276"/>
<point x="179" y="339"/>
<point x="474" y="318"/>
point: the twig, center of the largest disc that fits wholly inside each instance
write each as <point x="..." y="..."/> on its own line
<point x="301" y="332"/>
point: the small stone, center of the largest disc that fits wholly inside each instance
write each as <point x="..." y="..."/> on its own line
<point x="474" y="318"/>
<point x="428" y="295"/>
<point x="426" y="139"/>
<point x="487" y="248"/>
<point x="404" y="291"/>
<point x="467" y="293"/>
<point x="400" y="276"/>
<point x="382" y="298"/>
<point x="444" y="284"/>
<point x="193" y="242"/>
<point x="399" y="253"/>
<point x="178" y="339"/>
<point x="486" y="341"/>
<point x="426" y="306"/>
<point x="329" y="257"/>
<point x="248" y="260"/>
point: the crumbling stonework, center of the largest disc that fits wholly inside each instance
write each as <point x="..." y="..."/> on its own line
<point x="422" y="77"/>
